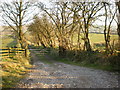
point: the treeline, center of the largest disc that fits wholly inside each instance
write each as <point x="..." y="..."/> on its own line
<point x="62" y="24"/>
<point x="66" y="25"/>
<point x="64" y="28"/>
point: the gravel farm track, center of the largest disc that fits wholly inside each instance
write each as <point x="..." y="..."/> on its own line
<point x="60" y="75"/>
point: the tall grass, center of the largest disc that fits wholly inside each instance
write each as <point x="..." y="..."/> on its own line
<point x="14" y="69"/>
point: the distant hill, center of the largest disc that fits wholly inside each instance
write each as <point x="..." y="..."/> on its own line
<point x="100" y="30"/>
<point x="7" y="32"/>
<point x="1" y="28"/>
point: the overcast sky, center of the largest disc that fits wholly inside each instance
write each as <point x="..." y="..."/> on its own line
<point x="47" y="3"/>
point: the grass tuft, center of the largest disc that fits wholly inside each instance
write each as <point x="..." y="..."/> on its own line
<point x="13" y="70"/>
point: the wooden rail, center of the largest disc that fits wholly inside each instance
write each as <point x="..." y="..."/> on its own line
<point x="7" y="52"/>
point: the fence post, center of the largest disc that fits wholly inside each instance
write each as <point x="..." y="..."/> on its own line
<point x="26" y="55"/>
<point x="9" y="52"/>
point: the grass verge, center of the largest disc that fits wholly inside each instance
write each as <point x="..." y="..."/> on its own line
<point x="93" y="66"/>
<point x="93" y="60"/>
<point x="43" y="57"/>
<point x="13" y="70"/>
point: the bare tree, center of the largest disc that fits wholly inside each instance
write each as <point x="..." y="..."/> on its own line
<point x="118" y="24"/>
<point x="34" y="30"/>
<point x="87" y="15"/>
<point x="42" y="29"/>
<point x="108" y="13"/>
<point x="15" y="15"/>
<point x="60" y="17"/>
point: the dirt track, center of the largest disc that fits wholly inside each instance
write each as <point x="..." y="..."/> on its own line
<point x="60" y="75"/>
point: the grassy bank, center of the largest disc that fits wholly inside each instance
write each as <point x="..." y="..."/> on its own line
<point x="13" y="69"/>
<point x="94" y="59"/>
<point x="89" y="65"/>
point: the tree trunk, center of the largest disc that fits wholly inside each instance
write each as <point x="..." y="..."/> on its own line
<point x="118" y="29"/>
<point x="87" y="44"/>
<point x="119" y="36"/>
<point x="41" y="41"/>
<point x="87" y="41"/>
<point x="62" y="50"/>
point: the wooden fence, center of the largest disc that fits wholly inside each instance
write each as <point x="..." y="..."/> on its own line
<point x="11" y="51"/>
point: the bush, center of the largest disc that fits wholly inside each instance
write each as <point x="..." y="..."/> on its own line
<point x="53" y="52"/>
<point x="88" y="57"/>
<point x="115" y="62"/>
